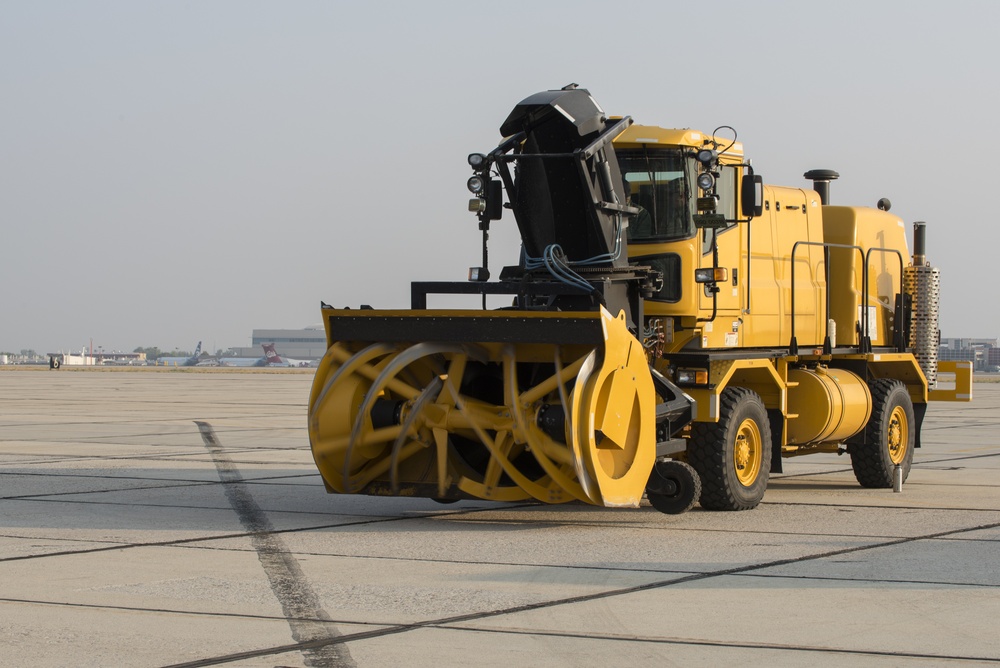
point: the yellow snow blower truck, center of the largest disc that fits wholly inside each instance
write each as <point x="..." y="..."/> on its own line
<point x="673" y="329"/>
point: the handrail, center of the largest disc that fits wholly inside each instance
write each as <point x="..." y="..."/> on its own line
<point x="793" y="345"/>
<point x="867" y="255"/>
<point x="865" y="343"/>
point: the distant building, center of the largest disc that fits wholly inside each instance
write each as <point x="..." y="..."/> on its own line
<point x="70" y="359"/>
<point x="983" y="353"/>
<point x="120" y="358"/>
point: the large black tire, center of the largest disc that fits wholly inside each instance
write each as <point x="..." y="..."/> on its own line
<point x="733" y="456"/>
<point x="888" y="437"/>
<point x="673" y="488"/>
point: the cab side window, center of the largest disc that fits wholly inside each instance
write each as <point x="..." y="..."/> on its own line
<point x="725" y="188"/>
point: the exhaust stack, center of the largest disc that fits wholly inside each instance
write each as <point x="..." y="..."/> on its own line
<point x="919" y="244"/>
<point x="923" y="283"/>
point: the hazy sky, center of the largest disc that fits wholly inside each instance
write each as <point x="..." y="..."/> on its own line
<point x="181" y="171"/>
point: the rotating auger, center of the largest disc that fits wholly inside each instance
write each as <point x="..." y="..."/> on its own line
<point x="551" y="399"/>
<point x="489" y="420"/>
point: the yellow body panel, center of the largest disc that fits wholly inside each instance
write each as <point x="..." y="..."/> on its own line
<point x="869" y="229"/>
<point x="755" y="306"/>
<point x="760" y="375"/>
<point x="651" y="135"/>
<point x="790" y="215"/>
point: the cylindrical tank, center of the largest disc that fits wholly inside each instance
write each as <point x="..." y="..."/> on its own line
<point x="831" y="405"/>
<point x="923" y="283"/>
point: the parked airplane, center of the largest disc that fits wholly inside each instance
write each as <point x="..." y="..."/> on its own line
<point x="274" y="359"/>
<point x="181" y="361"/>
<point x="243" y="361"/>
<point x="111" y="361"/>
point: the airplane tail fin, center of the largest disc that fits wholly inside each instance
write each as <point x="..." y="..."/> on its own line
<point x="197" y="350"/>
<point x="270" y="354"/>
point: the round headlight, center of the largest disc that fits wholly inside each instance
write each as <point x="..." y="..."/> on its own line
<point x="706" y="181"/>
<point x="477" y="160"/>
<point x="475" y="184"/>
<point x="706" y="156"/>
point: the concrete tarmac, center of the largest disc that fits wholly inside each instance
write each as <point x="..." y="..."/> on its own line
<point x="176" y="519"/>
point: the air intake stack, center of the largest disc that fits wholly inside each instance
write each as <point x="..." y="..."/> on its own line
<point x="923" y="283"/>
<point x="821" y="182"/>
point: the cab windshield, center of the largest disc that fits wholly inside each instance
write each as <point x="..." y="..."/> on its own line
<point x="656" y="183"/>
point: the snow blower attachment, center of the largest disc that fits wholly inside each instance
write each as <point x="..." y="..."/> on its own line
<point x="552" y="398"/>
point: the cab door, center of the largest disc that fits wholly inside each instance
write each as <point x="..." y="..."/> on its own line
<point x="730" y="251"/>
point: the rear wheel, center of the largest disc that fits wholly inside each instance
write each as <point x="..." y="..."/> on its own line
<point x="733" y="455"/>
<point x="888" y="436"/>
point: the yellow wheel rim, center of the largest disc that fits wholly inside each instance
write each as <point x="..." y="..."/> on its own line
<point x="747" y="451"/>
<point x="898" y="436"/>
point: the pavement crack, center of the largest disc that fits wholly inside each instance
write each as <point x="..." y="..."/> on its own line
<point x="307" y="619"/>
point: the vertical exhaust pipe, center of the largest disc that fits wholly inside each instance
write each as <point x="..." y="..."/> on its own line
<point x="821" y="182"/>
<point x="923" y="283"/>
<point x="919" y="244"/>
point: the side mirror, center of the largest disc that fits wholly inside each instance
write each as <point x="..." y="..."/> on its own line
<point x="494" y="199"/>
<point x="752" y="195"/>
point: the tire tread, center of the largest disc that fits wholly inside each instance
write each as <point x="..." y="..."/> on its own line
<point x="871" y="465"/>
<point x="709" y="459"/>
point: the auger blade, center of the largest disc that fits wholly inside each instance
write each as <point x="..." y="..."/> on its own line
<point x="504" y="406"/>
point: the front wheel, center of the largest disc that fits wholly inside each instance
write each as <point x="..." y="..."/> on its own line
<point x="888" y="436"/>
<point x="673" y="487"/>
<point x="733" y="456"/>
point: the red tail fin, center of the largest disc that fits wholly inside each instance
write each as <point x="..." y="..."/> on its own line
<point x="270" y="354"/>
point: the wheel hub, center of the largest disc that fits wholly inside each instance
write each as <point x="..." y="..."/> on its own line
<point x="742" y="452"/>
<point x="747" y="449"/>
<point x="897" y="436"/>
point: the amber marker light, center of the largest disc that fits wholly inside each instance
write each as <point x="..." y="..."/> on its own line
<point x="692" y="376"/>
<point x="710" y="275"/>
